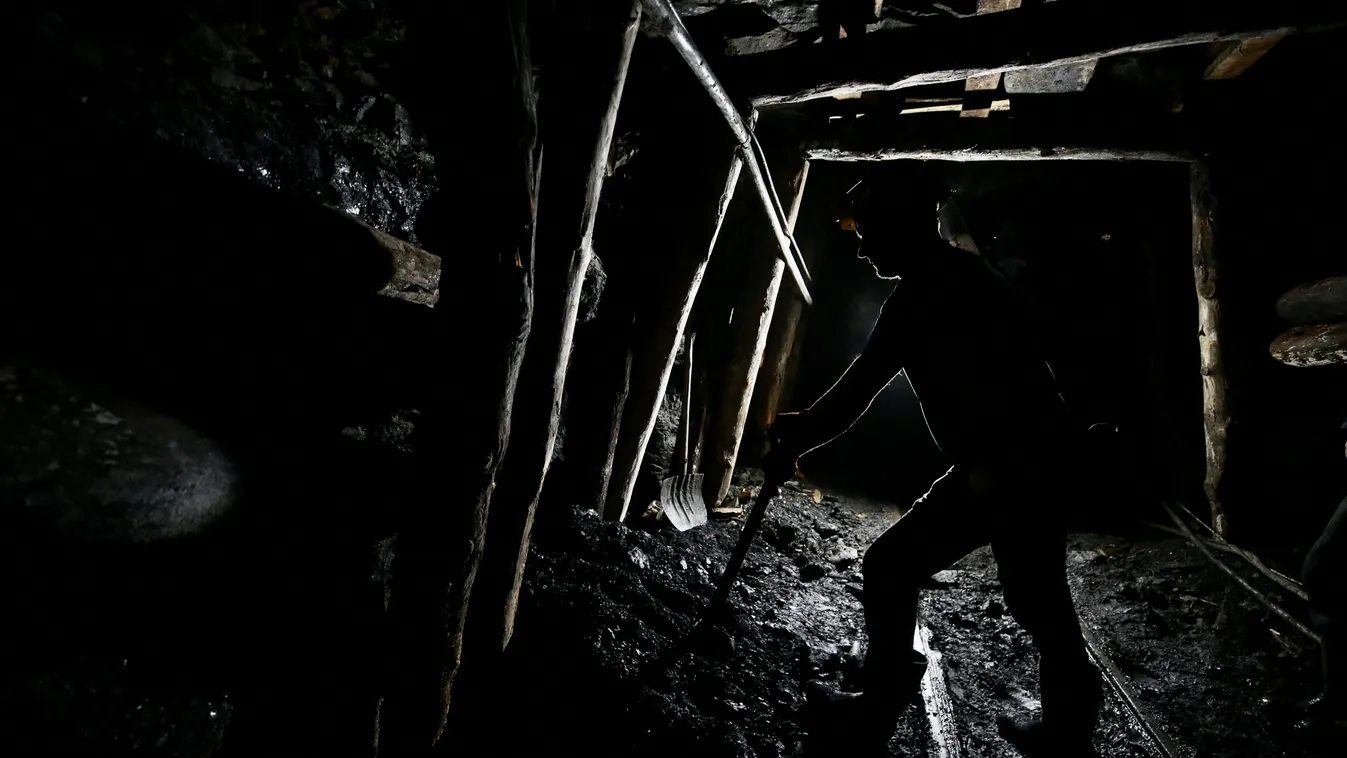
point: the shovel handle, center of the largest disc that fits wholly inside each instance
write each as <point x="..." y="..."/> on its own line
<point x="685" y="422"/>
<point x="751" y="527"/>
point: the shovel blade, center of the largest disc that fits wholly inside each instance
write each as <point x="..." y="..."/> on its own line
<point x="682" y="501"/>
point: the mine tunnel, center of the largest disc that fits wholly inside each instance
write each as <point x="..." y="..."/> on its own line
<point x="408" y="378"/>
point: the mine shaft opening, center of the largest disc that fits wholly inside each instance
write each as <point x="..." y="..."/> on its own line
<point x="335" y="423"/>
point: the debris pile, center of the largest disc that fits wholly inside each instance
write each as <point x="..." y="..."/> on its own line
<point x="608" y="609"/>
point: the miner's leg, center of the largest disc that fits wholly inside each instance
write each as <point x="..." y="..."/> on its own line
<point x="1325" y="575"/>
<point x="942" y="527"/>
<point x="1031" y="561"/>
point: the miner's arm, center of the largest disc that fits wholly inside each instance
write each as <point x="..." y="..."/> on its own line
<point x="840" y="407"/>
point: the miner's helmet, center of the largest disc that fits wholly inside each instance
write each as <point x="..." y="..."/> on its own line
<point x="915" y="200"/>
<point x="851" y="207"/>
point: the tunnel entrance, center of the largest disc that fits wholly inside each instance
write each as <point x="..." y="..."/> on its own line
<point x="1102" y="251"/>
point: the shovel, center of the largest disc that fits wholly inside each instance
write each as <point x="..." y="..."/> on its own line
<point x="680" y="496"/>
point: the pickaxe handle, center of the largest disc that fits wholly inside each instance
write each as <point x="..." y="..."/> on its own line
<point x="751" y="527"/>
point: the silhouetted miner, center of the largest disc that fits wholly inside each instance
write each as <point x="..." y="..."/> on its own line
<point x="1325" y="575"/>
<point x="954" y="327"/>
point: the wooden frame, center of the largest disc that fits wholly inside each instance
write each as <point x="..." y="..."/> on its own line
<point x="1011" y="40"/>
<point x="854" y="146"/>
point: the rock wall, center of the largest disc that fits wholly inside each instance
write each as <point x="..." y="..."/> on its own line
<point x="168" y="247"/>
<point x="298" y="95"/>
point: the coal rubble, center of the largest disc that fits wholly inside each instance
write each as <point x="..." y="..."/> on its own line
<point x="604" y="647"/>
<point x="604" y="631"/>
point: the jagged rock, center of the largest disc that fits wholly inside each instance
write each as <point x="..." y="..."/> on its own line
<point x="840" y="555"/>
<point x="659" y="453"/>
<point x="779" y="534"/>
<point x="812" y="571"/>
<point x="595" y="279"/>
<point x="84" y="464"/>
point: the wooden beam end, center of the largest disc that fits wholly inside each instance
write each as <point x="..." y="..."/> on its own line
<point x="1235" y="57"/>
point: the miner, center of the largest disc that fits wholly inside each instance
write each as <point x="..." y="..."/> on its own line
<point x="956" y="329"/>
<point x="1324" y="573"/>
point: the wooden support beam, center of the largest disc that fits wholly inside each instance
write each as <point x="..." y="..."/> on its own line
<point x="1216" y="413"/>
<point x="970" y="154"/>
<point x="1235" y="57"/>
<point x="615" y="428"/>
<point x="656" y="346"/>
<point x="780" y="360"/>
<point x="416" y="273"/>
<point x="978" y="103"/>
<point x="747" y="341"/>
<point x="1013" y="40"/>
<point x="664" y="17"/>
<point x="1318" y="345"/>
<point x="584" y="107"/>
<point x="902" y="138"/>
<point x="465" y="422"/>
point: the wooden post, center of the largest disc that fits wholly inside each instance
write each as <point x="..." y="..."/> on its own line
<point x="569" y="206"/>
<point x="748" y="339"/>
<point x="1234" y="58"/>
<point x="1216" y="414"/>
<point x="780" y="358"/>
<point x="787" y="397"/>
<point x="465" y="424"/>
<point x="655" y="351"/>
<point x="615" y="434"/>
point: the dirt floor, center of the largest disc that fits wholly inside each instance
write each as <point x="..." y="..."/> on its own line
<point x="608" y="608"/>
<point x="600" y="664"/>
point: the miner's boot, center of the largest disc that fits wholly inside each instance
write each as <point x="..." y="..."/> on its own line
<point x="859" y="724"/>
<point x="1071" y="695"/>
<point x="1327" y="711"/>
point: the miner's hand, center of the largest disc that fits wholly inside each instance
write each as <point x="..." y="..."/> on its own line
<point x="787" y="445"/>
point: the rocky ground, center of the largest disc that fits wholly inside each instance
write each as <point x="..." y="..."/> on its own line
<point x="608" y="608"/>
<point x="601" y="663"/>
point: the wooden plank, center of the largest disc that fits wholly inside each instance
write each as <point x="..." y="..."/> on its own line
<point x="973" y="154"/>
<point x="1050" y="80"/>
<point x="980" y="83"/>
<point x="416" y="273"/>
<point x="978" y="102"/>
<point x="1012" y="40"/>
<point x="934" y="138"/>
<point x="1234" y="58"/>
<point x="1319" y="345"/>
<point x="990" y="81"/>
